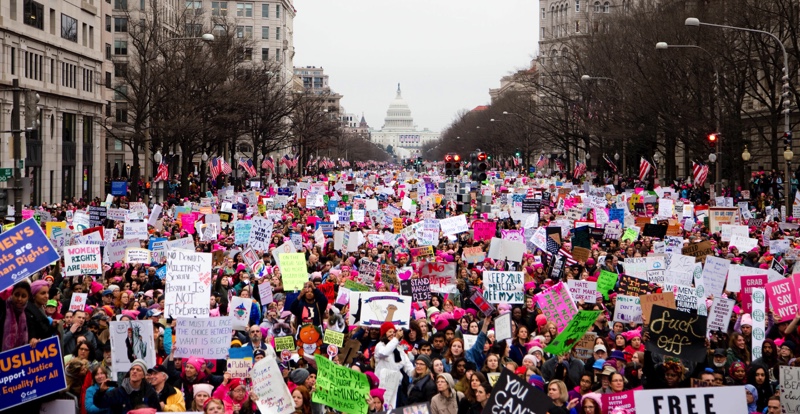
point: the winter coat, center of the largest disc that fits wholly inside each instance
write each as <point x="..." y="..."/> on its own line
<point x="172" y="398"/>
<point x="421" y="390"/>
<point x="90" y="407"/>
<point x="122" y="399"/>
<point x="385" y="358"/>
<point x="442" y="405"/>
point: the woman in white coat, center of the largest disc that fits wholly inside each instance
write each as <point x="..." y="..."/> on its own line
<point x="387" y="355"/>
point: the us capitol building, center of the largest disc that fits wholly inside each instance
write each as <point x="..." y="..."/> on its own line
<point x="400" y="132"/>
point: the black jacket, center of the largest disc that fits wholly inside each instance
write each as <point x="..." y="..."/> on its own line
<point x="122" y="399"/>
<point x="422" y="391"/>
<point x="38" y="325"/>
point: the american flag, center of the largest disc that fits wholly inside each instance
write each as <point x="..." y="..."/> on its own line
<point x="268" y="163"/>
<point x="286" y="160"/>
<point x="580" y="168"/>
<point x="541" y="162"/>
<point x="248" y="166"/>
<point x="644" y="169"/>
<point x="214" y="167"/>
<point x="552" y="245"/>
<point x="560" y="165"/>
<point x="610" y="163"/>
<point x="699" y="173"/>
<point x="517" y="161"/>
<point x="163" y="172"/>
<point x="226" y="168"/>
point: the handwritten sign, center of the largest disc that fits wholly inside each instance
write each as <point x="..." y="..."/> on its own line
<point x="333" y="338"/>
<point x="782" y="299"/>
<point x="557" y="305"/>
<point x="504" y="287"/>
<point x="207" y="338"/>
<point x="294" y="272"/>
<point x="418" y="288"/>
<point x="260" y="234"/>
<point x="665" y="299"/>
<point x="484" y="230"/>
<point x="441" y="275"/>
<point x="574" y="331"/>
<point x="137" y="255"/>
<point x="676" y="333"/>
<point x="188" y="284"/>
<point x="474" y="255"/>
<point x="82" y="260"/>
<point x="340" y="388"/>
<point x="516" y="396"/>
<point x="271" y="391"/>
<point x="628" y="309"/>
<point x="720" y="315"/>
<point x="606" y="282"/>
<point x="582" y="290"/>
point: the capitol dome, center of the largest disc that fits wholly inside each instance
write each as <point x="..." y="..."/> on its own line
<point x="398" y="116"/>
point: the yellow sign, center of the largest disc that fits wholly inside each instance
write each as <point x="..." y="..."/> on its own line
<point x="398" y="225"/>
<point x="49" y="226"/>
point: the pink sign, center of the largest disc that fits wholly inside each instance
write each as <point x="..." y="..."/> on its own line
<point x="782" y="299"/>
<point x="187" y="222"/>
<point x="748" y="283"/>
<point x="557" y="305"/>
<point x="26" y="214"/>
<point x="442" y="276"/>
<point x="514" y="235"/>
<point x="619" y="401"/>
<point x="484" y="230"/>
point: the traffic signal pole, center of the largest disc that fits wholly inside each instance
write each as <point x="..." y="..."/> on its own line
<point x="17" y="143"/>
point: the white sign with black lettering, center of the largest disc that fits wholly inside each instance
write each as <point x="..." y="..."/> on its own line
<point x="715" y="400"/>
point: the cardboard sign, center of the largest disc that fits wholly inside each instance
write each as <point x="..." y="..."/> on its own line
<point x="515" y="395"/>
<point x="82" y="260"/>
<point x="582" y="290"/>
<point x="504" y="287"/>
<point x="665" y="299"/>
<point x="710" y="400"/>
<point x="32" y="373"/>
<point x="699" y="250"/>
<point x="676" y="333"/>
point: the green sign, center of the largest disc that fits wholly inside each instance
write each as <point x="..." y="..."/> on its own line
<point x="293" y="270"/>
<point x="355" y="286"/>
<point x="283" y="343"/>
<point x="6" y="174"/>
<point x="340" y="388"/>
<point x="605" y="282"/>
<point x="573" y="333"/>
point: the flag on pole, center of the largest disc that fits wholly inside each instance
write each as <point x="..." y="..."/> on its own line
<point x="580" y="169"/>
<point x="247" y="165"/>
<point x="226" y="168"/>
<point x="699" y="173"/>
<point x="268" y="163"/>
<point x="644" y="169"/>
<point x="162" y="174"/>
<point x="541" y="162"/>
<point x="214" y="168"/>
<point x="610" y="163"/>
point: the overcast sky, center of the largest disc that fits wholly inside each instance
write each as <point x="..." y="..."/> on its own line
<point x="445" y="54"/>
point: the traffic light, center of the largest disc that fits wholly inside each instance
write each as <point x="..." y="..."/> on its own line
<point x="712" y="140"/>
<point x="517" y="154"/>
<point x="32" y="112"/>
<point x="787" y="139"/>
<point x="452" y="164"/>
<point x="479" y="166"/>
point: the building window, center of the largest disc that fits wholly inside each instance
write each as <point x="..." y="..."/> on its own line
<point x="277" y="55"/>
<point x="577" y="5"/>
<point x="219" y="8"/>
<point x="121" y="24"/>
<point x="544" y="13"/>
<point x="120" y="69"/>
<point x="277" y="11"/>
<point x="264" y="54"/>
<point x="597" y="7"/>
<point x="265" y="11"/>
<point x="277" y="33"/>
<point x="108" y="79"/>
<point x="577" y="26"/>
<point x="69" y="73"/>
<point x="121" y="47"/>
<point x="606" y="7"/>
<point x="265" y="33"/>
<point x="88" y="80"/>
<point x="248" y="54"/>
<point x="197" y="6"/>
<point x="244" y="32"/>
<point x="244" y="9"/>
<point x="194" y="29"/>
<point x="120" y="4"/>
<point x="69" y="28"/>
<point x="121" y="93"/>
<point x="33" y="14"/>
<point x="108" y="50"/>
<point x="108" y="107"/>
<point x="108" y="23"/>
<point x="121" y="113"/>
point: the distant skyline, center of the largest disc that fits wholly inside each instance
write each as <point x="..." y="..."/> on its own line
<point x="445" y="54"/>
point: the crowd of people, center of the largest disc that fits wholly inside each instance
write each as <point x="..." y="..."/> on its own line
<point x="447" y="350"/>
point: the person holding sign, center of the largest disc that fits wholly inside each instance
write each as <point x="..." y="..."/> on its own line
<point x="311" y="303"/>
<point x="387" y="355"/>
<point x="133" y="392"/>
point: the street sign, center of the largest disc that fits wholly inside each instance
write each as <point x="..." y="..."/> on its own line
<point x="6" y="174"/>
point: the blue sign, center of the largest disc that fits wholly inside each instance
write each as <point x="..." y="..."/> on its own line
<point x="241" y="208"/>
<point x="532" y="169"/>
<point x="25" y="250"/>
<point x="157" y="243"/>
<point x="332" y="204"/>
<point x="430" y="188"/>
<point x="327" y="227"/>
<point x="161" y="272"/>
<point x="27" y="374"/>
<point x="119" y="188"/>
<point x="617" y="214"/>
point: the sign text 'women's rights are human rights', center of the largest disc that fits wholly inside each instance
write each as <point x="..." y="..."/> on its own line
<point x="24" y="250"/>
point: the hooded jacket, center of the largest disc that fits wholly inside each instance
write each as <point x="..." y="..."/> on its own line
<point x="124" y="398"/>
<point x="446" y="405"/>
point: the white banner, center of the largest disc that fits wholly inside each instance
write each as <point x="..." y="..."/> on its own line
<point x="82" y="260"/>
<point x="188" y="284"/>
<point x="208" y="338"/>
<point x="273" y="394"/>
<point x="711" y="400"/>
<point x="454" y="225"/>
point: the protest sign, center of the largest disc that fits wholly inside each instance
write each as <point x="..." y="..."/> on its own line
<point x="585" y="347"/>
<point x="265" y="292"/>
<point x="115" y="250"/>
<point x="474" y="255"/>
<point x="502" y="327"/>
<point x="606" y="282"/>
<point x="676" y="333"/>
<point x="188" y="284"/>
<point x="241" y="231"/>
<point x="514" y="395"/>
<point x="287" y="247"/>
<point x="294" y="272"/>
<point x="30" y="249"/>
<point x="633" y="286"/>
<point x="260" y="234"/>
<point x="582" y="290"/>
<point x="284" y="343"/>
<point x="207" y="338"/>
<point x="484" y="306"/>
<point x="240" y="361"/>
<point x="500" y="249"/>
<point x="628" y="309"/>
<point x="715" y="273"/>
<point x="239" y="311"/>
<point x="272" y="394"/>
<point x="78" y="301"/>
<point x="759" y="321"/>
<point x="340" y="388"/>
<point x="97" y="215"/>
<point x="730" y="399"/>
<point x="782" y="299"/>
<point x="82" y="260"/>
<point x="573" y="332"/>
<point x="686" y="298"/>
<point x="719" y="316"/>
<point x="748" y="283"/>
<point x="136" y="230"/>
<point x="665" y="299"/>
<point x="367" y="270"/>
<point x="651" y="269"/>
<point x="504" y="287"/>
<point x="441" y="275"/>
<point x="698" y="250"/>
<point x="131" y="340"/>
<point x="619" y="401"/>
<point x="31" y="373"/>
<point x="454" y="225"/>
<point x="484" y="230"/>
<point x="418" y="288"/>
<point x="137" y="255"/>
<point x="372" y="309"/>
<point x="333" y="338"/>
<point x="557" y="305"/>
<point x="789" y="384"/>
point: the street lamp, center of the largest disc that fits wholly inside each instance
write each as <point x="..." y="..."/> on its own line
<point x="695" y="22"/>
<point x="157" y="157"/>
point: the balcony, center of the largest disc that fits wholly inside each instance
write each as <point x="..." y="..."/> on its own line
<point x="68" y="154"/>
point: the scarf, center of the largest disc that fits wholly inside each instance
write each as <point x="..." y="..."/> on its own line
<point x="15" y="328"/>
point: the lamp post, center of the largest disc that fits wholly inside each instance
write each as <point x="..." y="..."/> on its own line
<point x="203" y="157"/>
<point x="718" y="112"/>
<point x="695" y="22"/>
<point x="746" y="159"/>
<point x="157" y="158"/>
